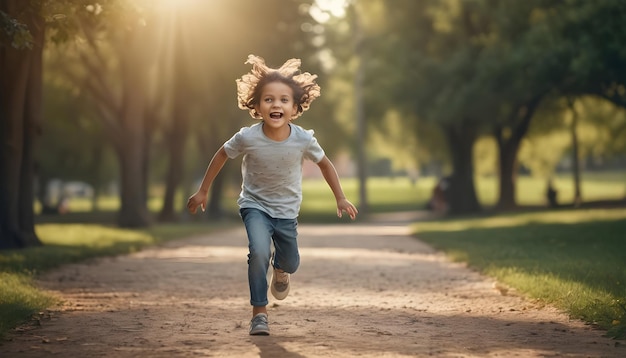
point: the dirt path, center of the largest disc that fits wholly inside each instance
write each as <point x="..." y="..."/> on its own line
<point x="364" y="290"/>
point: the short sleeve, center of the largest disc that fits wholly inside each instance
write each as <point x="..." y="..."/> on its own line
<point x="234" y="146"/>
<point x="314" y="152"/>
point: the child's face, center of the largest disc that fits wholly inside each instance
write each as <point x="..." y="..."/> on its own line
<point x="276" y="106"/>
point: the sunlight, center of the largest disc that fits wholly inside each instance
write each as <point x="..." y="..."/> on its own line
<point x="176" y="4"/>
<point x="323" y="10"/>
<point x="522" y="219"/>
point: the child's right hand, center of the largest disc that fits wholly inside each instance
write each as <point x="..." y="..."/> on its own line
<point x="197" y="199"/>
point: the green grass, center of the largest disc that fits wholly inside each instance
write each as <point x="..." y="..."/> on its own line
<point x="384" y="195"/>
<point x="19" y="299"/>
<point x="572" y="259"/>
<point x="318" y="205"/>
<point x="531" y="190"/>
<point x="66" y="243"/>
<point x="398" y="194"/>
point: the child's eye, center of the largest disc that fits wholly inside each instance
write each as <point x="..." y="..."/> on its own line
<point x="285" y="100"/>
<point x="268" y="100"/>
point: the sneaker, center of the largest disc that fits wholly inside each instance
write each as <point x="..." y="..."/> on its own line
<point x="259" y="326"/>
<point x="280" y="284"/>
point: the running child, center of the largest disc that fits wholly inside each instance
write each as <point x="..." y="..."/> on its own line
<point x="271" y="193"/>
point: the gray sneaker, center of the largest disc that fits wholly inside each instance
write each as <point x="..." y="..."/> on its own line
<point x="280" y="284"/>
<point x="259" y="326"/>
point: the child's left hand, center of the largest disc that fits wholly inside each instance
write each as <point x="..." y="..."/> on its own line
<point x="348" y="207"/>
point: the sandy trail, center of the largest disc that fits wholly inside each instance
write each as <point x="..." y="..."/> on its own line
<point x="366" y="290"/>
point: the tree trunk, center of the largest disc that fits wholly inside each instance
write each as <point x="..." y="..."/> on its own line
<point x="179" y="124"/>
<point x="96" y="168"/>
<point x="133" y="212"/>
<point x="507" y="166"/>
<point x="575" y="156"/>
<point x="130" y="150"/>
<point x="176" y="146"/>
<point x="508" y="147"/>
<point x="17" y="122"/>
<point x="33" y="114"/>
<point x="145" y="161"/>
<point x="462" y="192"/>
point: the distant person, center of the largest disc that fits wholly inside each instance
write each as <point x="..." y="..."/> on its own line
<point x="273" y="151"/>
<point x="61" y="207"/>
<point x="439" y="199"/>
<point x="551" y="195"/>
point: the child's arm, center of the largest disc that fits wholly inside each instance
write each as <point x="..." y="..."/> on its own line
<point x="331" y="177"/>
<point x="202" y="195"/>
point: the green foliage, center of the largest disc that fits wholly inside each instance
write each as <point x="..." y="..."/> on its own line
<point x="542" y="153"/>
<point x="485" y="157"/>
<point x="186" y="86"/>
<point x="14" y="32"/>
<point x="603" y="129"/>
<point x="573" y="260"/>
<point x="601" y="134"/>
<point x="61" y="20"/>
<point x="66" y="20"/>
<point x="450" y="62"/>
<point x="83" y="153"/>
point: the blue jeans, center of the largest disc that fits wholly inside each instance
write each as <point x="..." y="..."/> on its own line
<point x="262" y="230"/>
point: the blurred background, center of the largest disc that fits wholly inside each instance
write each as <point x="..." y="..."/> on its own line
<point x="112" y="110"/>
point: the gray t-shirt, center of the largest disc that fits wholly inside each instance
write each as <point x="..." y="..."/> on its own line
<point x="271" y="170"/>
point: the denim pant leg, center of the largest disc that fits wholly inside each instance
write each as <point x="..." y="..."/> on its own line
<point x="286" y="256"/>
<point x="259" y="228"/>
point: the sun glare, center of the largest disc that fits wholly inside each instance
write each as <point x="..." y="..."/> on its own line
<point x="176" y="4"/>
<point x="323" y="10"/>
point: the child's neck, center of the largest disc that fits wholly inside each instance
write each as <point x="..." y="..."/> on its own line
<point x="277" y="134"/>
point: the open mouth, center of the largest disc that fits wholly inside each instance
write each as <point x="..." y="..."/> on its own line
<point x="276" y="115"/>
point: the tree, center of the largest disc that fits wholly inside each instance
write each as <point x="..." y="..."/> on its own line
<point x="518" y="69"/>
<point x="112" y="67"/>
<point x="481" y="66"/>
<point x="20" y="116"/>
<point x="551" y="44"/>
<point x="492" y="76"/>
<point x="435" y="50"/>
<point x="178" y="125"/>
<point x="590" y="35"/>
<point x="24" y="25"/>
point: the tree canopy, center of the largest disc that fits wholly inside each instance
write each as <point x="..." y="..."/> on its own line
<point x="482" y="67"/>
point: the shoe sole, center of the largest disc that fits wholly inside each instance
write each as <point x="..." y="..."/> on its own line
<point x="277" y="294"/>
<point x="260" y="333"/>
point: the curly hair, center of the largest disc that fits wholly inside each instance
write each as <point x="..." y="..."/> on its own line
<point x="250" y="85"/>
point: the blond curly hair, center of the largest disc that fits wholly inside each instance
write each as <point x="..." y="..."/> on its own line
<point x="249" y="86"/>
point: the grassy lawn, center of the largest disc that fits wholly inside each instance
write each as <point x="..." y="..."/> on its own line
<point x="398" y="194"/>
<point x="384" y="195"/>
<point x="572" y="259"/>
<point x="531" y="190"/>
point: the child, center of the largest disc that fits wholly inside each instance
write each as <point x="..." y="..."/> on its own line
<point x="273" y="151"/>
